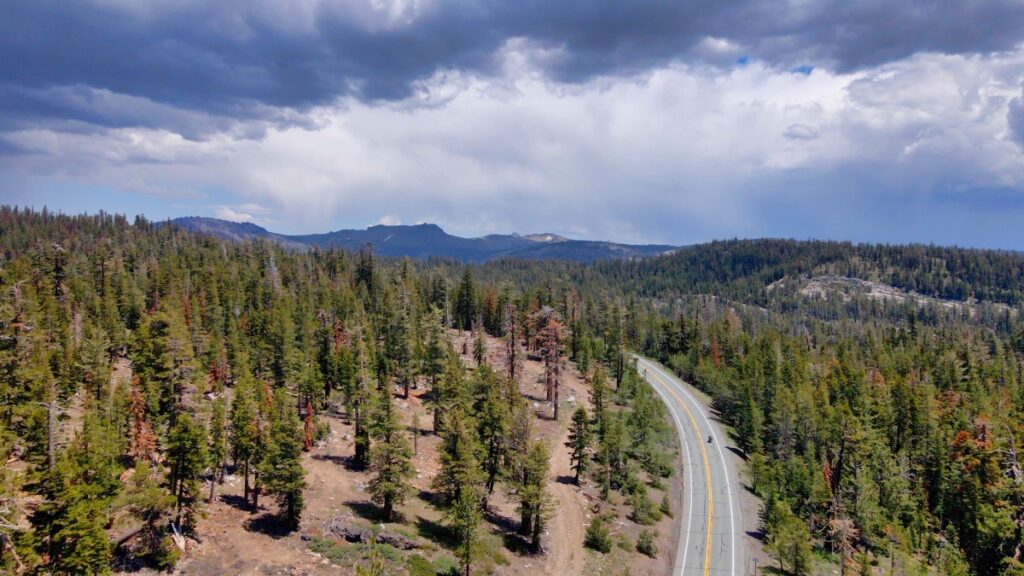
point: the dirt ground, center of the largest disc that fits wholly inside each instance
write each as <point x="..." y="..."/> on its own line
<point x="233" y="540"/>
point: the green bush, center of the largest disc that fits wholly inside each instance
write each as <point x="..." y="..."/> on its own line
<point x="623" y="542"/>
<point x="644" y="512"/>
<point x="666" y="506"/>
<point x="645" y="544"/>
<point x="166" y="554"/>
<point x="598" y="537"/>
<point x="660" y="464"/>
<point x="445" y="565"/>
<point x="322" y="431"/>
<point x="420" y="566"/>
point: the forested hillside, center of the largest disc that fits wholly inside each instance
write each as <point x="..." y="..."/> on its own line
<point x="886" y="435"/>
<point x="882" y="437"/>
<point x="940" y="285"/>
<point x="244" y="357"/>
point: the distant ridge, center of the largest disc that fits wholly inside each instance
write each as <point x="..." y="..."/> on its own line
<point x="423" y="241"/>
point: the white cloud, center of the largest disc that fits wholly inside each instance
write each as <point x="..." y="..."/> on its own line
<point x="679" y="154"/>
<point x="228" y="213"/>
<point x="247" y="212"/>
<point x="389" y="220"/>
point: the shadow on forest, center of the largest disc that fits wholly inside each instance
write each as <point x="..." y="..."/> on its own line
<point x="436" y="532"/>
<point x="270" y="525"/>
<point x="347" y="461"/>
<point x="370" y="511"/>
<point x="235" y="501"/>
<point x="503" y="523"/>
<point x="544" y="413"/>
<point x="563" y="479"/>
<point x="125" y="562"/>
<point x="334" y="458"/>
<point x="506" y="528"/>
<point x="516" y="544"/>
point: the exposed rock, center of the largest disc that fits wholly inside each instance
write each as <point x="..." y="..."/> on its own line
<point x="397" y="540"/>
<point x="345" y="528"/>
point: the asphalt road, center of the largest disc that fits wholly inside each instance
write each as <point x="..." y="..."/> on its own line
<point x="711" y="541"/>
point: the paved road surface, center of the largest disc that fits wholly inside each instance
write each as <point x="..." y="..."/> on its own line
<point x="711" y="542"/>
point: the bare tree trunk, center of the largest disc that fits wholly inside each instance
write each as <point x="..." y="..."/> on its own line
<point x="556" y="387"/>
<point x="8" y="545"/>
<point x="51" y="430"/>
<point x="245" y="474"/>
<point x="256" y="492"/>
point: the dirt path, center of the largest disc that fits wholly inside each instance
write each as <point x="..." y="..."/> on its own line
<point x="567" y="527"/>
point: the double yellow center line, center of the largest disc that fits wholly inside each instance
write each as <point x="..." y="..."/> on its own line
<point x="707" y="466"/>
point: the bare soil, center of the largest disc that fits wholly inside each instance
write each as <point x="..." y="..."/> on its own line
<point x="234" y="540"/>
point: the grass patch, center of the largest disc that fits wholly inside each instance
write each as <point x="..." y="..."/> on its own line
<point x="340" y="553"/>
<point x="445" y="565"/>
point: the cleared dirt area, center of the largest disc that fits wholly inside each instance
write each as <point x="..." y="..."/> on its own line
<point x="234" y="540"/>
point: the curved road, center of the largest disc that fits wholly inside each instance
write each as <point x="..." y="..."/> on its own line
<point x="711" y="541"/>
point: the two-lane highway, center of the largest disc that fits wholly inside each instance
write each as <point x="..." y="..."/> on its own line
<point x="711" y="538"/>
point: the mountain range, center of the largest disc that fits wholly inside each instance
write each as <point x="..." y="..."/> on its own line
<point x="423" y="241"/>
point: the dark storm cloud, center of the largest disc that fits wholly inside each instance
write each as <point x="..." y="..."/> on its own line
<point x="201" y="67"/>
<point x="1015" y="119"/>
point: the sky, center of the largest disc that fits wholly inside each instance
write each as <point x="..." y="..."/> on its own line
<point x="649" y="121"/>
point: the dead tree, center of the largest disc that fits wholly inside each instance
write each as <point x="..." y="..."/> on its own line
<point x="513" y="356"/>
<point x="551" y="346"/>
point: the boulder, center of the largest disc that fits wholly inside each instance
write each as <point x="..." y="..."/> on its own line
<point x="345" y="528"/>
<point x="397" y="540"/>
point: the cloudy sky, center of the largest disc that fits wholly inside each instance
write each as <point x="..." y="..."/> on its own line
<point x="672" y="122"/>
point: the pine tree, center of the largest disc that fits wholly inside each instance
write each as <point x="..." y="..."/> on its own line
<point x="361" y="406"/>
<point x="788" y="538"/>
<point x="465" y="301"/>
<point x="598" y="536"/>
<point x="460" y="469"/>
<point x="646" y="545"/>
<point x="265" y="405"/>
<point x="493" y="423"/>
<point x="400" y="338"/>
<point x="218" y="445"/>
<point x="148" y="501"/>
<point x="579" y="442"/>
<point x="464" y="522"/>
<point x="612" y="453"/>
<point x="186" y="457"/>
<point x="599" y="400"/>
<point x="244" y="429"/>
<point x="615" y="357"/>
<point x="436" y="349"/>
<point x="390" y="464"/>
<point x="78" y="493"/>
<point x="165" y="362"/>
<point x="479" y="346"/>
<point x="535" y="502"/>
<point x="513" y="354"/>
<point x="283" y="475"/>
<point x="666" y="505"/>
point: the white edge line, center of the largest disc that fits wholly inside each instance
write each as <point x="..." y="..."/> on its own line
<point x="725" y="469"/>
<point x="688" y="468"/>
